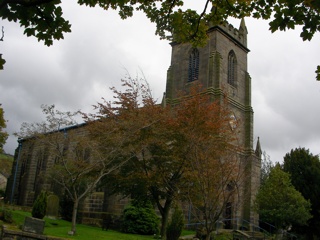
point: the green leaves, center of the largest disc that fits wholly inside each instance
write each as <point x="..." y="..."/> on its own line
<point x="189" y="27"/>
<point x="3" y="134"/>
<point x="304" y="168"/>
<point x="40" y="206"/>
<point x="279" y="203"/>
<point x="2" y="62"/>
<point x="289" y="13"/>
<point x="42" y="20"/>
<point x="318" y="73"/>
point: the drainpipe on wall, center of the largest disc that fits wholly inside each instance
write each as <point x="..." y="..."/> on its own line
<point x="15" y="171"/>
<point x="65" y="133"/>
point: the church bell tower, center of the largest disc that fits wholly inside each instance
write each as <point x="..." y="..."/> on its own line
<point x="221" y="67"/>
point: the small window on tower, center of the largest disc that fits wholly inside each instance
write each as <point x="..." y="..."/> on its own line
<point x="232" y="68"/>
<point x="193" y="65"/>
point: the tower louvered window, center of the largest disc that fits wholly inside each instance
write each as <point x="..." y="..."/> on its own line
<point x="193" y="72"/>
<point x="232" y="68"/>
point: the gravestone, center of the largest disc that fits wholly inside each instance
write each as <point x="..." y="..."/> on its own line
<point x="33" y="225"/>
<point x="53" y="206"/>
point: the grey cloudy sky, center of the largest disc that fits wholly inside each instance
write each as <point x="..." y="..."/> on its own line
<point x="76" y="72"/>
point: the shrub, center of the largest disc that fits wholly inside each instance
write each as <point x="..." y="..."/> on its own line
<point x="175" y="227"/>
<point x="2" y="193"/>
<point x="6" y="216"/>
<point x="40" y="206"/>
<point x="140" y="218"/>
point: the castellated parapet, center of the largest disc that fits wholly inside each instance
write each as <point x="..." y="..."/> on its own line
<point x="239" y="34"/>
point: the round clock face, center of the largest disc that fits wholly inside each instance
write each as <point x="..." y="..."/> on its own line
<point x="233" y="121"/>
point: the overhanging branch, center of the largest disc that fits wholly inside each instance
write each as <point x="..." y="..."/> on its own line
<point x="2" y="36"/>
<point x="200" y="17"/>
<point x="24" y="2"/>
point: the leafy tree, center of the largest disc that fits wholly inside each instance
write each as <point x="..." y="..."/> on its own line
<point x="214" y="183"/>
<point x="266" y="166"/>
<point x="76" y="166"/>
<point x="279" y="203"/>
<point x="161" y="142"/>
<point x="212" y="171"/>
<point x="44" y="18"/>
<point x="142" y="133"/>
<point x="40" y="18"/>
<point x="304" y="168"/>
<point x="3" y="134"/>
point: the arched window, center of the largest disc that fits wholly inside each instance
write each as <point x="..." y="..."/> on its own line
<point x="232" y="68"/>
<point x="193" y="72"/>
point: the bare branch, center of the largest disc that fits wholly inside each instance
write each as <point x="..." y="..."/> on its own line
<point x="171" y="7"/>
<point x="200" y="17"/>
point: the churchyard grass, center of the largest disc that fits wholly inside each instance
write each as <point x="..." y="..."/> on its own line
<point x="60" y="228"/>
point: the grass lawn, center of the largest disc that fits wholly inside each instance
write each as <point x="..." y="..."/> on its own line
<point x="60" y="228"/>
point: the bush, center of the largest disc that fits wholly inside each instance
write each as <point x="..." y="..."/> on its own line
<point x="175" y="227"/>
<point x="40" y="206"/>
<point x="2" y="193"/>
<point x="140" y="218"/>
<point x="6" y="216"/>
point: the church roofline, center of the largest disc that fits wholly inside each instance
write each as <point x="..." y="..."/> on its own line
<point x="20" y="140"/>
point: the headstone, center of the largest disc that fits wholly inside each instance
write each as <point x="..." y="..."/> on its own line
<point x="53" y="206"/>
<point x="33" y="225"/>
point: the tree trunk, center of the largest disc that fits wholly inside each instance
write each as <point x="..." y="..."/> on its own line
<point x="208" y="234"/>
<point x="164" y="219"/>
<point x="74" y="216"/>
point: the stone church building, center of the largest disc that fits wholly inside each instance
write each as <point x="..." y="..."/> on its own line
<point x="220" y="66"/>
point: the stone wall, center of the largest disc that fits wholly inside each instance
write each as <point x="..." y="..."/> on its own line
<point x="9" y="234"/>
<point x="96" y="205"/>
